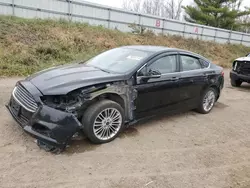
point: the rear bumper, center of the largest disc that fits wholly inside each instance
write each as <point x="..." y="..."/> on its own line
<point x="241" y="77"/>
<point x="52" y="127"/>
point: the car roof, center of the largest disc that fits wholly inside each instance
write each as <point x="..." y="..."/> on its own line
<point x="158" y="49"/>
<point x="155" y="49"/>
<point x="149" y="48"/>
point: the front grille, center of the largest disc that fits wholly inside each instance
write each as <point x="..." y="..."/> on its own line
<point x="24" y="119"/>
<point x="21" y="119"/>
<point x="24" y="98"/>
<point x="243" y="68"/>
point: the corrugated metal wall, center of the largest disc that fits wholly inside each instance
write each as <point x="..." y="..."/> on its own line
<point x="79" y="11"/>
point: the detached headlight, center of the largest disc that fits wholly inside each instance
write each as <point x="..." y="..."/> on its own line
<point x="62" y="102"/>
<point x="73" y="101"/>
<point x="235" y="65"/>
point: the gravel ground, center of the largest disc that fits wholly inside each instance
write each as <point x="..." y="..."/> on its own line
<point x="187" y="150"/>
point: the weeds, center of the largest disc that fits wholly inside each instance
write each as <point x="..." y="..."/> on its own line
<point x="30" y="45"/>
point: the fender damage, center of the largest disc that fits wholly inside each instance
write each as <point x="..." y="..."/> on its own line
<point x="54" y="127"/>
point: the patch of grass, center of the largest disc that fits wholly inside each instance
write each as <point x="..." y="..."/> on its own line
<point x="30" y="45"/>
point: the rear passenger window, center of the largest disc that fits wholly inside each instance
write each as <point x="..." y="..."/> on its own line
<point x="204" y="63"/>
<point x="190" y="63"/>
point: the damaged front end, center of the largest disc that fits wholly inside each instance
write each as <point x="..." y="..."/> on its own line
<point x="241" y="70"/>
<point x="52" y="127"/>
<point x="54" y="120"/>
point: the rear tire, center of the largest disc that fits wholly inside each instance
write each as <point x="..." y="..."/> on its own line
<point x="207" y="101"/>
<point x="103" y="121"/>
<point x="236" y="83"/>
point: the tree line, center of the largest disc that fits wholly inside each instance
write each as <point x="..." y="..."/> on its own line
<point x="226" y="14"/>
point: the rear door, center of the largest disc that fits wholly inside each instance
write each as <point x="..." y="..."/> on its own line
<point x="192" y="80"/>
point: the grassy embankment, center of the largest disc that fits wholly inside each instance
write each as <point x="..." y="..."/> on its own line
<point x="29" y="45"/>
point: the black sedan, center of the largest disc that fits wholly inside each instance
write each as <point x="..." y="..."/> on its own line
<point x="111" y="91"/>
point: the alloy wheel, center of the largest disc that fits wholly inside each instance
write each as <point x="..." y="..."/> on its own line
<point x="107" y="124"/>
<point x="209" y="100"/>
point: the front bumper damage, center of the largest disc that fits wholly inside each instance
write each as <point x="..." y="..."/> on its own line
<point x="52" y="128"/>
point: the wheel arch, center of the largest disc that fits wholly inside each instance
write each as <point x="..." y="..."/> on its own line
<point x="214" y="86"/>
<point x="113" y="97"/>
<point x="110" y="96"/>
<point x="120" y="93"/>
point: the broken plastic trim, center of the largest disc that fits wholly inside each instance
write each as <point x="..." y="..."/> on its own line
<point x="125" y="91"/>
<point x="59" y="125"/>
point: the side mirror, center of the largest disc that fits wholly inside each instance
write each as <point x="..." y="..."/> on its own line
<point x="152" y="74"/>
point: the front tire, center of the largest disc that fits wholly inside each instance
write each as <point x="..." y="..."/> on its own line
<point x="207" y="101"/>
<point x="103" y="121"/>
<point x="236" y="83"/>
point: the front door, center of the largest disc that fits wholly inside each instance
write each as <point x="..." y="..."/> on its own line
<point x="160" y="92"/>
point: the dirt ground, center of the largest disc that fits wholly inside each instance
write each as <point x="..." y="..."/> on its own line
<point x="187" y="150"/>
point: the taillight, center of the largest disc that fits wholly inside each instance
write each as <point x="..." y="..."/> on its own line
<point x="222" y="73"/>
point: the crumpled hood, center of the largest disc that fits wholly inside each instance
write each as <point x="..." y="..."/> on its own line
<point x="243" y="59"/>
<point x="63" y="79"/>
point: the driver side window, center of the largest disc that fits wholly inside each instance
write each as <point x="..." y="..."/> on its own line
<point x="163" y="65"/>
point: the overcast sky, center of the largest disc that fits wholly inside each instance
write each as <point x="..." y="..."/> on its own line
<point x="118" y="3"/>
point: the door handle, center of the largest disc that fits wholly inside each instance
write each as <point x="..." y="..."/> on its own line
<point x="209" y="73"/>
<point x="174" y="78"/>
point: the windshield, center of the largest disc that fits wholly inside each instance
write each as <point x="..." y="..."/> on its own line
<point x="248" y="55"/>
<point x="119" y="60"/>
